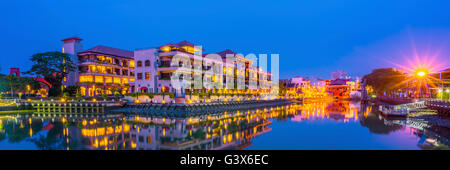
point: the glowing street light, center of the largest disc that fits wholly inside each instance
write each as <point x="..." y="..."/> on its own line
<point x="421" y="73"/>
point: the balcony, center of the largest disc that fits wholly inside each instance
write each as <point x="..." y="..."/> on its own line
<point x="86" y="83"/>
<point x="175" y="52"/>
<point x="164" y="78"/>
<point x="103" y="74"/>
<point x="97" y="62"/>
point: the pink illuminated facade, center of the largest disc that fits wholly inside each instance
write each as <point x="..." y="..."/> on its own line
<point x="106" y="70"/>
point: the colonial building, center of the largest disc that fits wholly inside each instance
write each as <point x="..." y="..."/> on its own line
<point x="339" y="74"/>
<point x="103" y="70"/>
<point x="154" y="68"/>
<point x="100" y="70"/>
<point x="339" y="88"/>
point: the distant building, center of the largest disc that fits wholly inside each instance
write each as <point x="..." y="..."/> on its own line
<point x="317" y="82"/>
<point x="339" y="88"/>
<point x="441" y="80"/>
<point x="299" y="81"/>
<point x="339" y="74"/>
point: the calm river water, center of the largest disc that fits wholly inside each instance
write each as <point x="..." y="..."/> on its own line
<point x="337" y="125"/>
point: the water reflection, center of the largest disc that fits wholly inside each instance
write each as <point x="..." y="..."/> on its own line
<point x="229" y="130"/>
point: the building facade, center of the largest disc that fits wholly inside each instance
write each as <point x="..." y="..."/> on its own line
<point x="100" y="70"/>
<point x="155" y="68"/>
<point x="339" y="74"/>
<point x="105" y="70"/>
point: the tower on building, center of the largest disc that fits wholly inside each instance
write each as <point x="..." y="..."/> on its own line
<point x="72" y="46"/>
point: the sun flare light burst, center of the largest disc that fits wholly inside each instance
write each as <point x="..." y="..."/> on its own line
<point x="418" y="69"/>
<point x="418" y="73"/>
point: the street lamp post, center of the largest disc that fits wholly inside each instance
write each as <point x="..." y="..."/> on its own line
<point x="448" y="91"/>
<point x="421" y="74"/>
<point x="28" y="90"/>
<point x="442" y="84"/>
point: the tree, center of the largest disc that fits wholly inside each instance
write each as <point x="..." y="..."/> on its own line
<point x="72" y="90"/>
<point x="66" y="94"/>
<point x="282" y="88"/>
<point x="53" y="67"/>
<point x="13" y="84"/>
<point x="11" y="79"/>
<point x="104" y="96"/>
<point x="79" y="95"/>
<point x="385" y="80"/>
<point x="117" y="95"/>
<point x="32" y="83"/>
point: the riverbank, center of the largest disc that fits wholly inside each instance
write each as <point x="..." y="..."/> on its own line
<point x="183" y="110"/>
<point x="7" y="108"/>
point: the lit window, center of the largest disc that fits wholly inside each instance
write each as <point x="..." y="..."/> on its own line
<point x="147" y="76"/>
<point x="108" y="80"/>
<point x="92" y="68"/>
<point x="86" y="79"/>
<point x="125" y="81"/>
<point x="165" y="49"/>
<point x="117" y="80"/>
<point x="99" y="79"/>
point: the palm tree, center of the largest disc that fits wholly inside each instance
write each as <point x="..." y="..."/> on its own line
<point x="11" y="78"/>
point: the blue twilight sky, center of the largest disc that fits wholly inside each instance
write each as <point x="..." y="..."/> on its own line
<point x="313" y="37"/>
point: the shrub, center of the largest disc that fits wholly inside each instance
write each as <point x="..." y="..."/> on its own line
<point x="117" y="94"/>
<point x="104" y="96"/>
<point x="150" y="95"/>
<point x="79" y="95"/>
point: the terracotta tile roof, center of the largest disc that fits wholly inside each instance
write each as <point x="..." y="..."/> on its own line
<point x="170" y="45"/>
<point x="185" y="43"/>
<point x="180" y="44"/>
<point x="111" y="51"/>
<point x="446" y="70"/>
<point x="225" y="52"/>
<point x="72" y="38"/>
<point x="338" y="82"/>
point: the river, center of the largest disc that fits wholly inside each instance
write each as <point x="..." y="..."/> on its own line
<point x="323" y="126"/>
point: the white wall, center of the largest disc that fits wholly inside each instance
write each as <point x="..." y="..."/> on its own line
<point x="143" y="55"/>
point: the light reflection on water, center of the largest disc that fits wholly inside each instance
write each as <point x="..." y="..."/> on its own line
<point x="336" y="125"/>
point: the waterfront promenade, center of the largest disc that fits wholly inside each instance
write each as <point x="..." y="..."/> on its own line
<point x="183" y="110"/>
<point x="403" y="103"/>
<point x="173" y="109"/>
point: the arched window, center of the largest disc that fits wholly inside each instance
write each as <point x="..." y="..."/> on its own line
<point x="147" y="63"/>
<point x="139" y="64"/>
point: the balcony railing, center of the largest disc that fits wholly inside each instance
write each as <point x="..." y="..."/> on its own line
<point x="102" y="84"/>
<point x="164" y="65"/>
<point x="164" y="78"/>
<point x="104" y="62"/>
<point x="105" y="73"/>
